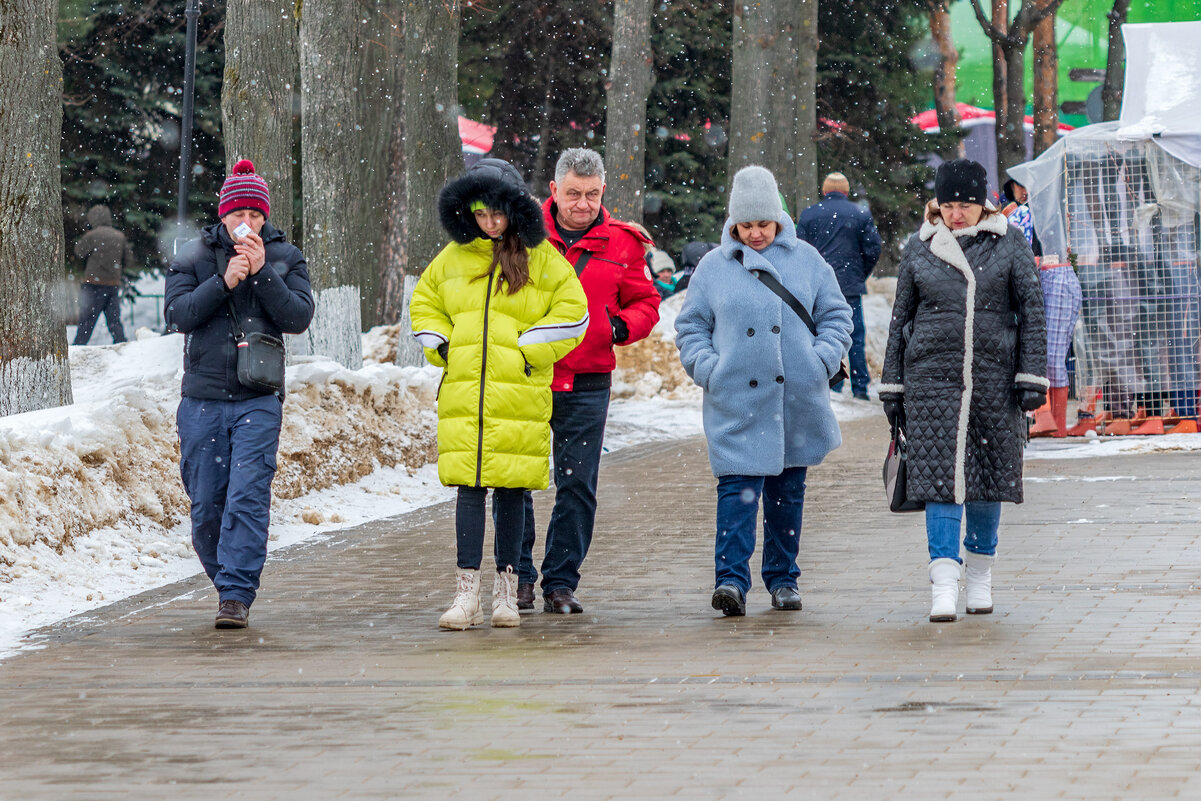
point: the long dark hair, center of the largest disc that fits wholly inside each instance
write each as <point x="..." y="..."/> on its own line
<point x="514" y="261"/>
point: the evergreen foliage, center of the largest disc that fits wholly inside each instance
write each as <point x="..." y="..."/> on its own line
<point x="123" y="67"/>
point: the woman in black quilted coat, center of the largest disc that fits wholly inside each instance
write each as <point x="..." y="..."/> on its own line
<point x="966" y="357"/>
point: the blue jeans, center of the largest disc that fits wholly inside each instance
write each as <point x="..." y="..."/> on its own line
<point x="94" y="300"/>
<point x="577" y="422"/>
<point x="227" y="460"/>
<point x="858" y="355"/>
<point x="737" y="516"/>
<point x="942" y="528"/>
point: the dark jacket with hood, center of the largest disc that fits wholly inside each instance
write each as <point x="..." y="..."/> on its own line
<point x="845" y="236"/>
<point x="104" y="249"/>
<point x="967" y="333"/>
<point x="275" y="300"/>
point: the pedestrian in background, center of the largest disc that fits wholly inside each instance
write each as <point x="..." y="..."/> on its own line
<point x="107" y="255"/>
<point x="765" y="377"/>
<point x="495" y="309"/>
<point x="846" y="236"/>
<point x="220" y="286"/>
<point x="967" y="355"/>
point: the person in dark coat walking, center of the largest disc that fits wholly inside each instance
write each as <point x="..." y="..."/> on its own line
<point x="229" y="433"/>
<point x="106" y="254"/>
<point x="846" y="237"/>
<point x="967" y="355"/>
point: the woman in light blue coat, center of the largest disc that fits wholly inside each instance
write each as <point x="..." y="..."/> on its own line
<point x="766" y="379"/>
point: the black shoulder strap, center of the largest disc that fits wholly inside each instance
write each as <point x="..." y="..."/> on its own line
<point x="222" y="263"/>
<point x="771" y="283"/>
<point x="582" y="262"/>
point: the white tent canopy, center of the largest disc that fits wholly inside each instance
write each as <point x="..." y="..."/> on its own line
<point x="1161" y="98"/>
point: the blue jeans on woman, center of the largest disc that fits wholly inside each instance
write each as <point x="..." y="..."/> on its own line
<point x="737" y="518"/>
<point x="943" y="526"/>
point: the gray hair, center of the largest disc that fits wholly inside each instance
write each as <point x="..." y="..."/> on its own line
<point x="580" y="160"/>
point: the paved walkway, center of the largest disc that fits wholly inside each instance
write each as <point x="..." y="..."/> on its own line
<point x="1083" y="684"/>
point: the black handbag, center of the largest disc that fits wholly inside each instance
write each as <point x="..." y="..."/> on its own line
<point x="896" y="474"/>
<point x="261" y="356"/>
<point x="791" y="301"/>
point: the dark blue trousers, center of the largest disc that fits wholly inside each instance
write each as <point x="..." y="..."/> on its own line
<point x="737" y="518"/>
<point x="860" y="377"/>
<point x="94" y="300"/>
<point x="578" y="424"/>
<point x="227" y="459"/>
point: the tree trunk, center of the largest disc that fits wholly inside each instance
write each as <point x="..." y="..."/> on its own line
<point x="433" y="152"/>
<point x="806" y="190"/>
<point x="1011" y="139"/>
<point x="625" y="122"/>
<point x="34" y="372"/>
<point x="948" y="62"/>
<point x="1046" y="84"/>
<point x="257" y="92"/>
<point x="763" y="107"/>
<point x="1115" y="62"/>
<point x="390" y="283"/>
<point x="330" y="152"/>
<point x="1000" y="98"/>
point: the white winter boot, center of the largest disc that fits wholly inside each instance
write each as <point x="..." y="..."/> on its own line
<point x="944" y="587"/>
<point x="466" y="610"/>
<point x="504" y="600"/>
<point x="978" y="572"/>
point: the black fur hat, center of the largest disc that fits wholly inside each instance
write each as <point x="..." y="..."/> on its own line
<point x="962" y="181"/>
<point x="499" y="186"/>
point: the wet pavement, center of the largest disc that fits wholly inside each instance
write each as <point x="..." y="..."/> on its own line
<point x="1083" y="683"/>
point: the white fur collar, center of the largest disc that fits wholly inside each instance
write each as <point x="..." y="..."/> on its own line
<point x="992" y="224"/>
<point x="944" y="243"/>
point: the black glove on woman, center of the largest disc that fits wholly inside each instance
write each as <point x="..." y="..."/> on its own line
<point x="1031" y="399"/>
<point x="893" y="410"/>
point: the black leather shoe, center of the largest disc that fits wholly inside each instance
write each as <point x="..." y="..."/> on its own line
<point x="730" y="600"/>
<point x="561" y="601"/>
<point x="232" y="615"/>
<point x="785" y="598"/>
<point x="525" y="596"/>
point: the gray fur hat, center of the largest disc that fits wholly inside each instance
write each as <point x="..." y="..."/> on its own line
<point x="754" y="196"/>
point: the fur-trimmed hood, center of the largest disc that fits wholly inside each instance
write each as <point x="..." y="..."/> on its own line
<point x="498" y="184"/>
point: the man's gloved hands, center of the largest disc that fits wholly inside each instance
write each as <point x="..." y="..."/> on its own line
<point x="893" y="409"/>
<point x="621" y="331"/>
<point x="1031" y="399"/>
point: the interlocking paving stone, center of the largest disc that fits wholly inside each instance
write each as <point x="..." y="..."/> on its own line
<point x="1083" y="683"/>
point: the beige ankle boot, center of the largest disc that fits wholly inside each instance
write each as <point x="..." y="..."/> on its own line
<point x="504" y="600"/>
<point x="978" y="573"/>
<point x="465" y="611"/>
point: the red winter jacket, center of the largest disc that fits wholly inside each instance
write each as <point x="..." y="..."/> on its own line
<point x="617" y="285"/>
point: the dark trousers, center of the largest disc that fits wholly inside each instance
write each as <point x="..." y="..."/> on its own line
<point x="578" y="424"/>
<point x="737" y="518"/>
<point x="508" y="510"/>
<point x="858" y="355"/>
<point x="94" y="299"/>
<point x="227" y="460"/>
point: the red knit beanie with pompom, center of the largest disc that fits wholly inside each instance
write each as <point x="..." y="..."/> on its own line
<point x="244" y="190"/>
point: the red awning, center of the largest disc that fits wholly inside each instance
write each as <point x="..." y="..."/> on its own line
<point x="476" y="136"/>
<point x="970" y="117"/>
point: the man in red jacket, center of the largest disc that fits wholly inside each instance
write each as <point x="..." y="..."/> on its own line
<point x="623" y="307"/>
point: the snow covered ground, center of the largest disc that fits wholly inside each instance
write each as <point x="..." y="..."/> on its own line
<point x="92" y="509"/>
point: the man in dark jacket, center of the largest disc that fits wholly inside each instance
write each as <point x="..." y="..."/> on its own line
<point x="623" y="307"/>
<point x="846" y="237"/>
<point x="229" y="433"/>
<point x="106" y="253"/>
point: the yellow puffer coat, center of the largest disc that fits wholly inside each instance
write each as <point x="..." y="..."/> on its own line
<point x="495" y="402"/>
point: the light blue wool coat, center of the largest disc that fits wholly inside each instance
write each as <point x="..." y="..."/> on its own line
<point x="765" y="376"/>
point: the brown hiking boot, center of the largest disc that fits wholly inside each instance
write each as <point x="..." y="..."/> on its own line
<point x="525" y="596"/>
<point x="232" y="615"/>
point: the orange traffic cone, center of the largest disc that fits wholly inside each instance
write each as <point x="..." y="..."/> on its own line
<point x="1153" y="425"/>
<point x="1117" y="428"/>
<point x="1185" y="426"/>
<point x="1044" y="421"/>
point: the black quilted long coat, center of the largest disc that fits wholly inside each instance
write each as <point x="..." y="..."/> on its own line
<point x="971" y="307"/>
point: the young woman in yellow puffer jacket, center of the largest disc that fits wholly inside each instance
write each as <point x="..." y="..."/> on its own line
<point x="496" y="309"/>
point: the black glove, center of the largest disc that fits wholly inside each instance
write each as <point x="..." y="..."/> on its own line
<point x="893" y="410"/>
<point x="621" y="331"/>
<point x="443" y="350"/>
<point x="1031" y="399"/>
